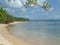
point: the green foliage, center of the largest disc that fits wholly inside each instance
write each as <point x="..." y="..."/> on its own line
<point x="46" y="6"/>
<point x="21" y="19"/>
<point x="30" y="2"/>
<point x="6" y="18"/>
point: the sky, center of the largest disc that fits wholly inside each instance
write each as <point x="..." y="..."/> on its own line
<point x="16" y="9"/>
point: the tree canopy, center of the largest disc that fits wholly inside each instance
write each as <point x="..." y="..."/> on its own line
<point x="46" y="6"/>
<point x="5" y="17"/>
<point x="31" y="3"/>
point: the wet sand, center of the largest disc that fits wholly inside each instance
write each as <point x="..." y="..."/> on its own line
<point x="8" y="38"/>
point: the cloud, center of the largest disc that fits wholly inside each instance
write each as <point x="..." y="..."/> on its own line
<point x="51" y="9"/>
<point x="40" y="2"/>
<point x="17" y="3"/>
<point x="34" y="11"/>
<point x="23" y="9"/>
<point x="27" y="16"/>
<point x="10" y="10"/>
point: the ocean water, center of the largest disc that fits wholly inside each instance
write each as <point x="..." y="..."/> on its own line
<point x="38" y="32"/>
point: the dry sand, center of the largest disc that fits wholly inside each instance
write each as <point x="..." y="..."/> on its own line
<point x="7" y="39"/>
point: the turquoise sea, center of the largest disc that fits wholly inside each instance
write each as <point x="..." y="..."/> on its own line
<point x="38" y="32"/>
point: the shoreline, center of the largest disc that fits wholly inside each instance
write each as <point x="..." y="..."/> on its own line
<point x="11" y="38"/>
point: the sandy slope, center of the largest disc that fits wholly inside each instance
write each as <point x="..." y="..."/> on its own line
<point x="4" y="41"/>
<point x="7" y="39"/>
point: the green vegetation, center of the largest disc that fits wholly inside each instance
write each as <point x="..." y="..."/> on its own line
<point x="46" y="6"/>
<point x="32" y="3"/>
<point x="5" y="17"/>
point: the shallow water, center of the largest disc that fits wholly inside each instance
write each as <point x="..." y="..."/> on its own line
<point x="38" y="32"/>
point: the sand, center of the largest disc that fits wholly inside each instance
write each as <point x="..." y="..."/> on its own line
<point x="8" y="39"/>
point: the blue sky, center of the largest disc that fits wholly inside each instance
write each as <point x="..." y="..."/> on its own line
<point x="37" y="13"/>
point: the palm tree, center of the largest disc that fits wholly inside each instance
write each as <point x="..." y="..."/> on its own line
<point x="46" y="6"/>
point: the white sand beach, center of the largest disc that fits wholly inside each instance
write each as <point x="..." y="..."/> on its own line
<point x="7" y="39"/>
<point x="4" y="41"/>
